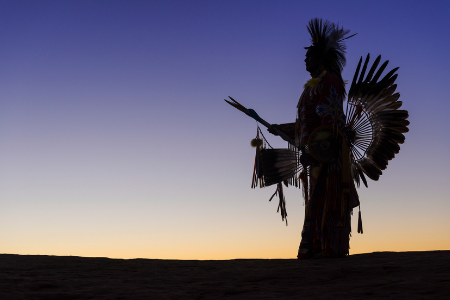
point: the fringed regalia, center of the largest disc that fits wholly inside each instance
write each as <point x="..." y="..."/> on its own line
<point x="328" y="188"/>
<point x="329" y="192"/>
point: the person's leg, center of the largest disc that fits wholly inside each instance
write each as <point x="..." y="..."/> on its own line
<point x="305" y="249"/>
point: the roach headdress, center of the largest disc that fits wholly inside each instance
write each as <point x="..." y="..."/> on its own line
<point x="328" y="43"/>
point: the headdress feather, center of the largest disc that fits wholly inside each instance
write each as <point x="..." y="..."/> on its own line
<point x="328" y="41"/>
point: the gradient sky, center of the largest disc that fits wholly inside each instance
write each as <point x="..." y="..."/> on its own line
<point x="115" y="140"/>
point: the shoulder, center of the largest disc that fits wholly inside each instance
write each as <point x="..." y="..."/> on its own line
<point x="331" y="79"/>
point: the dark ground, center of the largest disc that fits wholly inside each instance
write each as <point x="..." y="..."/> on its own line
<point x="380" y="275"/>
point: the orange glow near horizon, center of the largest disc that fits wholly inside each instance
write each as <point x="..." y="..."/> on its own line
<point x="233" y="245"/>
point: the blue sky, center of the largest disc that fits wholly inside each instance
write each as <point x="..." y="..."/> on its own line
<point x="115" y="139"/>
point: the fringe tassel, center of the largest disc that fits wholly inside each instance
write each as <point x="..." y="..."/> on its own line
<point x="304" y="180"/>
<point x="257" y="172"/>
<point x="274" y="194"/>
<point x="254" y="174"/>
<point x="282" y="203"/>
<point x="360" y="228"/>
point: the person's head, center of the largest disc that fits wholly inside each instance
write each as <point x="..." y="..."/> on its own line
<point x="314" y="60"/>
<point x="327" y="51"/>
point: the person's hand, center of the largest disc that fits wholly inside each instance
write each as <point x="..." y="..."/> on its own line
<point x="273" y="129"/>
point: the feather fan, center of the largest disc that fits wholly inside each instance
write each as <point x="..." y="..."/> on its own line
<point x="374" y="123"/>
